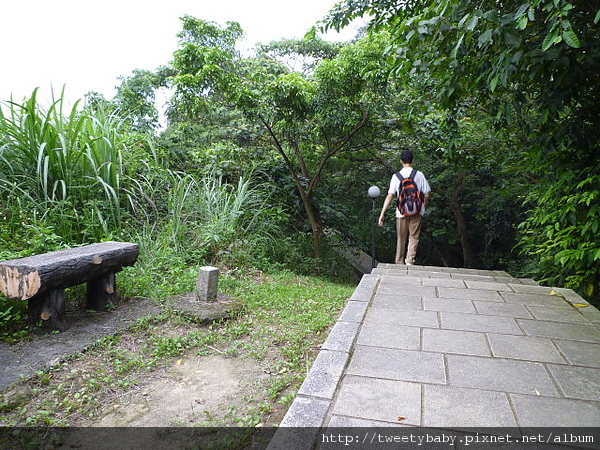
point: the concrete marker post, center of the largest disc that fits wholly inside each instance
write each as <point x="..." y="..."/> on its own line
<point x="208" y="278"/>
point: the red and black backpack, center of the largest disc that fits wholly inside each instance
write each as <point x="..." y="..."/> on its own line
<point x="409" y="201"/>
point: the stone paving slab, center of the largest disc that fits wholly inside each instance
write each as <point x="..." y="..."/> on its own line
<point x="534" y="411"/>
<point x="479" y="322"/>
<point x="577" y="382"/>
<point x="407" y="289"/>
<point x="397" y="281"/>
<point x="579" y="353"/>
<point x="456" y="348"/>
<point x="403" y="317"/>
<point x="531" y="288"/>
<point x="449" y="305"/>
<point x="592" y="314"/>
<point x="452" y="407"/>
<point x="379" y="399"/>
<point x="470" y="294"/>
<point x="390" y="336"/>
<point x="337" y="421"/>
<point x="503" y="309"/>
<point x="525" y="348"/>
<point x="306" y="412"/>
<point x="495" y="374"/>
<point x="396" y="364"/>
<point x="394" y="301"/>
<point x="354" y="312"/>
<point x="341" y="337"/>
<point x="585" y="332"/>
<point x="488" y="285"/>
<point x="532" y="299"/>
<point x="563" y="313"/>
<point x="437" y="275"/>
<point x="324" y="375"/>
<point x="444" y="282"/>
<point x="458" y="342"/>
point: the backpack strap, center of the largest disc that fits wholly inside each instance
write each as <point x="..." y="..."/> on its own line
<point x="400" y="177"/>
<point x="413" y="174"/>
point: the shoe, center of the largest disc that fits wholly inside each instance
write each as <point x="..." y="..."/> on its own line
<point x="409" y="264"/>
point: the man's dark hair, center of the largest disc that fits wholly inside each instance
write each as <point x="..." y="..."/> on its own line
<point x="407" y="157"/>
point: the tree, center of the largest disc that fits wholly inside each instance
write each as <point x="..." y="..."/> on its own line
<point x="136" y="98"/>
<point x="535" y="66"/>
<point x="307" y="118"/>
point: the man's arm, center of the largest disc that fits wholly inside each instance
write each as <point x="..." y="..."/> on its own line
<point x="386" y="204"/>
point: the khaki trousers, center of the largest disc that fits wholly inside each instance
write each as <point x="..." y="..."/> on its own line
<point x="408" y="227"/>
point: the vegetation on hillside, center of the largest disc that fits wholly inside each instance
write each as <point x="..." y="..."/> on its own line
<point x="263" y="162"/>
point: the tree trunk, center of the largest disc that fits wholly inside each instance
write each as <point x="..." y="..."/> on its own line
<point x="461" y="223"/>
<point x="314" y="219"/>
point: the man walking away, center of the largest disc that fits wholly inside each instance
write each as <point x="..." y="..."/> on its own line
<point x="410" y="208"/>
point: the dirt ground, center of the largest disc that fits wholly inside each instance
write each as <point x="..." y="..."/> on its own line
<point x="187" y="392"/>
<point x="25" y="357"/>
<point x="184" y="394"/>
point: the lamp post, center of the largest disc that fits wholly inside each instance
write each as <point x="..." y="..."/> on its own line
<point x="373" y="193"/>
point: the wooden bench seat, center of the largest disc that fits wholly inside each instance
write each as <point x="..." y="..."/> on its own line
<point x="41" y="279"/>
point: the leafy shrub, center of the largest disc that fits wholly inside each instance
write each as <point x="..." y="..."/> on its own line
<point x="562" y="233"/>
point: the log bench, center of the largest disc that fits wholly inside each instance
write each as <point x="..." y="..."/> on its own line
<point x="41" y="279"/>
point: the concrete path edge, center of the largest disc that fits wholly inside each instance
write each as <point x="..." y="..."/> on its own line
<point x="311" y="405"/>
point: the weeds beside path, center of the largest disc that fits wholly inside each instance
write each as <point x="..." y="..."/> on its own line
<point x="257" y="360"/>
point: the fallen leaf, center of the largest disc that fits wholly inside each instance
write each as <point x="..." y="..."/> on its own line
<point x="537" y="392"/>
<point x="179" y="362"/>
<point x="580" y="305"/>
<point x="553" y="292"/>
<point x="401" y="417"/>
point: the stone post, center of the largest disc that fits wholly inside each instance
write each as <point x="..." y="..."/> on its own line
<point x="208" y="278"/>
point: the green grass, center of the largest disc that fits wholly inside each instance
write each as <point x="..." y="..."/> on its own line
<point x="284" y="320"/>
<point x="287" y="312"/>
<point x="61" y="164"/>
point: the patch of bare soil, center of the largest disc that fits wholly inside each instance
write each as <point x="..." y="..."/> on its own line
<point x="192" y="390"/>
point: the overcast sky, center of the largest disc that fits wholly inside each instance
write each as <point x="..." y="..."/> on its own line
<point x="87" y="45"/>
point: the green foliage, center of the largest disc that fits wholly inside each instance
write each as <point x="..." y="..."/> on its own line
<point x="531" y="66"/>
<point x="204" y="64"/>
<point x="536" y="55"/>
<point x="193" y="222"/>
<point x="136" y="99"/>
<point x="100" y="181"/>
<point x="12" y="315"/>
<point x="299" y="55"/>
<point x="63" y="170"/>
<point x="305" y="118"/>
<point x="563" y="233"/>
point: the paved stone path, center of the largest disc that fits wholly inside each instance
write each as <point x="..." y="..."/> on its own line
<point x="455" y="348"/>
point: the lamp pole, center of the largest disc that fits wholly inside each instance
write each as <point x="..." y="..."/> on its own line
<point x="373" y="193"/>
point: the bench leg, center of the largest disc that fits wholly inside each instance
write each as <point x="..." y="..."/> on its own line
<point x="49" y="308"/>
<point x="101" y="292"/>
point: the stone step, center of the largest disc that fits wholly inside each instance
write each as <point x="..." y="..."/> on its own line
<point x="454" y="349"/>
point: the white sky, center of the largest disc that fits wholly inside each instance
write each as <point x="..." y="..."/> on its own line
<point x="86" y="45"/>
